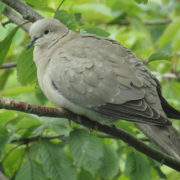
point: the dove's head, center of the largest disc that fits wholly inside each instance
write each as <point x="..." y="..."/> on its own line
<point x="46" y="31"/>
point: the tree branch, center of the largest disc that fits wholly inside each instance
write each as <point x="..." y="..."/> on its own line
<point x="15" y="18"/>
<point x="113" y="131"/>
<point x="27" y="12"/>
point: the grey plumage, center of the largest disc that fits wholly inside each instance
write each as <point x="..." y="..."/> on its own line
<point x="96" y="77"/>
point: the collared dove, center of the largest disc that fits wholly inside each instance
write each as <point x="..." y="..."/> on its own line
<point x="101" y="79"/>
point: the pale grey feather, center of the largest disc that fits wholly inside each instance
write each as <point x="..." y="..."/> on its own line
<point x="105" y="78"/>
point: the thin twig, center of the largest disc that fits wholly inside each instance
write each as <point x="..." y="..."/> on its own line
<point x="60" y="5"/>
<point x="28" y="140"/>
<point x="148" y="23"/>
<point x="5" y="23"/>
<point x="8" y="65"/>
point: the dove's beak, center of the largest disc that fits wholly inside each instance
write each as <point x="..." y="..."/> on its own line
<point x="31" y="43"/>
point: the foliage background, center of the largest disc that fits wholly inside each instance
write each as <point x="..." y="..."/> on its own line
<point x="56" y="151"/>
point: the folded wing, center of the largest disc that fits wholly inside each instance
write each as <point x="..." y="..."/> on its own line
<point x="102" y="75"/>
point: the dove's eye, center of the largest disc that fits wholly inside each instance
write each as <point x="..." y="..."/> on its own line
<point x="46" y="31"/>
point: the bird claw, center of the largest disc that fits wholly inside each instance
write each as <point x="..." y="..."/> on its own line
<point x="69" y="122"/>
<point x="96" y="126"/>
<point x="79" y="118"/>
<point x="89" y="130"/>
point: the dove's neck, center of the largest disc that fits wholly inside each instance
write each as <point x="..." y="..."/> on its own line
<point x="42" y="56"/>
<point x="44" y="52"/>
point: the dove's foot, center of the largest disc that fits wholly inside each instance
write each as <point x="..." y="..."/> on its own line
<point x="69" y="122"/>
<point x="79" y="118"/>
<point x="89" y="130"/>
<point x="96" y="126"/>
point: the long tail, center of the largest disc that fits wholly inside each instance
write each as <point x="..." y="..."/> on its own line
<point x="169" y="110"/>
<point x="166" y="137"/>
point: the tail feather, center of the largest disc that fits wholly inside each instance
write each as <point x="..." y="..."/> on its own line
<point x="166" y="137"/>
<point x="169" y="110"/>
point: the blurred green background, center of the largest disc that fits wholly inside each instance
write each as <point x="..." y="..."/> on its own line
<point x="151" y="31"/>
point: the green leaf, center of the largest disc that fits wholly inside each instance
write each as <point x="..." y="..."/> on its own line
<point x="157" y="167"/>
<point x="176" y="44"/>
<point x="59" y="125"/>
<point x="128" y="126"/>
<point x="160" y="56"/>
<point x="13" y="160"/>
<point x="138" y="24"/>
<point x="110" y="162"/>
<point x="4" y="77"/>
<point x="145" y="35"/>
<point x="97" y="31"/>
<point x="5" y="138"/>
<point x="5" y="44"/>
<point x="84" y="175"/>
<point x="142" y="1"/>
<point x="78" y="16"/>
<point x="170" y="32"/>
<point x="2" y="6"/>
<point x="94" y="12"/>
<point x="55" y="163"/>
<point x="26" y="125"/>
<point x="31" y="171"/>
<point x="38" y="3"/>
<point x="137" y="167"/>
<point x="87" y="150"/>
<point x="26" y="120"/>
<point x="26" y="69"/>
<point x="40" y="96"/>
<point x="67" y="19"/>
<point x="171" y="91"/>
<point x="5" y="115"/>
<point x="17" y="90"/>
